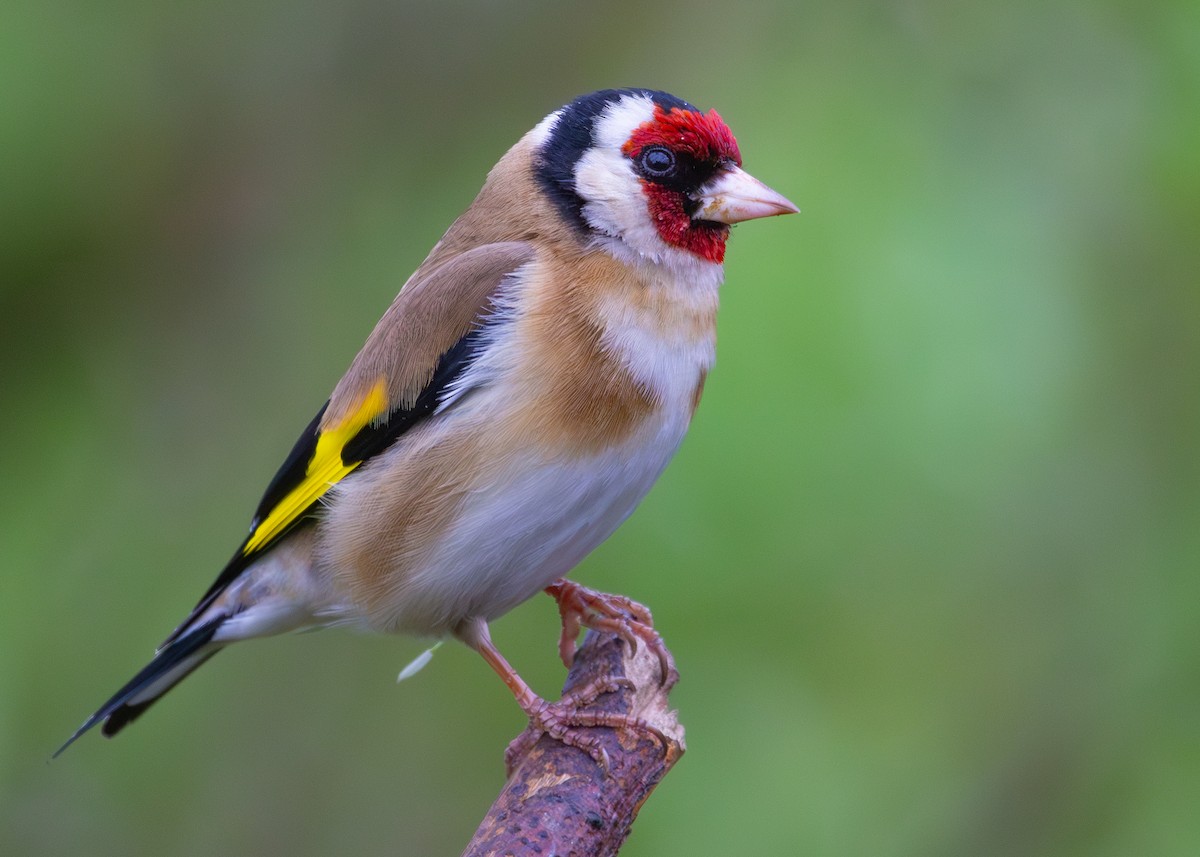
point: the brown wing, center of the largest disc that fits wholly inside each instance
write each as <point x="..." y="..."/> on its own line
<point x="432" y="312"/>
<point x="417" y="349"/>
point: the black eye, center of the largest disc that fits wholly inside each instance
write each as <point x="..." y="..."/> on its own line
<point x="657" y="162"/>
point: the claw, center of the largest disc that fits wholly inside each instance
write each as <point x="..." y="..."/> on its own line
<point x="563" y="721"/>
<point x="580" y="606"/>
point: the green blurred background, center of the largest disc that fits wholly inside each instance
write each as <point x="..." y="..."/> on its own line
<point x="927" y="558"/>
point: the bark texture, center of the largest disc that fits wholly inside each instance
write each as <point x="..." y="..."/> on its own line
<point x="558" y="801"/>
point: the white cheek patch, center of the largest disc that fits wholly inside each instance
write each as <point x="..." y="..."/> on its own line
<point x="614" y="203"/>
<point x="616" y="208"/>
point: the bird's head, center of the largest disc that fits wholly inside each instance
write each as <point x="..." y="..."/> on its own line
<point x="642" y="171"/>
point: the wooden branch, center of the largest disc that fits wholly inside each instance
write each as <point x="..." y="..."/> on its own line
<point x="558" y="801"/>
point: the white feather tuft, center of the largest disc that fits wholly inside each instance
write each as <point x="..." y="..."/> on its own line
<point x="418" y="663"/>
<point x="541" y="131"/>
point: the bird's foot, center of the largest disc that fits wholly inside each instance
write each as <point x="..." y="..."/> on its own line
<point x="564" y="721"/>
<point x="580" y="606"/>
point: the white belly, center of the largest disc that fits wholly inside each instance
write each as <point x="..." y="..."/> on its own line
<point x="513" y="538"/>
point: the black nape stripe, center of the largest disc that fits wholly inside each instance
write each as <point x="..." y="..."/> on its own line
<point x="574" y="134"/>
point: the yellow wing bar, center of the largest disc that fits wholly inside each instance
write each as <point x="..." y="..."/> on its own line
<point x="325" y="469"/>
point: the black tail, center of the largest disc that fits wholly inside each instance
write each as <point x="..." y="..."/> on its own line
<point x="171" y="665"/>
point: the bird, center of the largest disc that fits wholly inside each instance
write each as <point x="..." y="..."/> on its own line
<point x="516" y="401"/>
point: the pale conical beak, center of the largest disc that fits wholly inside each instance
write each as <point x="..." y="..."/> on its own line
<point x="736" y="196"/>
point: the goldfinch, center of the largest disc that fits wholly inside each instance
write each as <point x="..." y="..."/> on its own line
<point x="514" y="404"/>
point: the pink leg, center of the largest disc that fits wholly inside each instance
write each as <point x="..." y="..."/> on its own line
<point x="560" y="720"/>
<point x="580" y="606"/>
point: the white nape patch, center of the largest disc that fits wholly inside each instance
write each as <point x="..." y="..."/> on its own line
<point x="620" y="118"/>
<point x="541" y="131"/>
